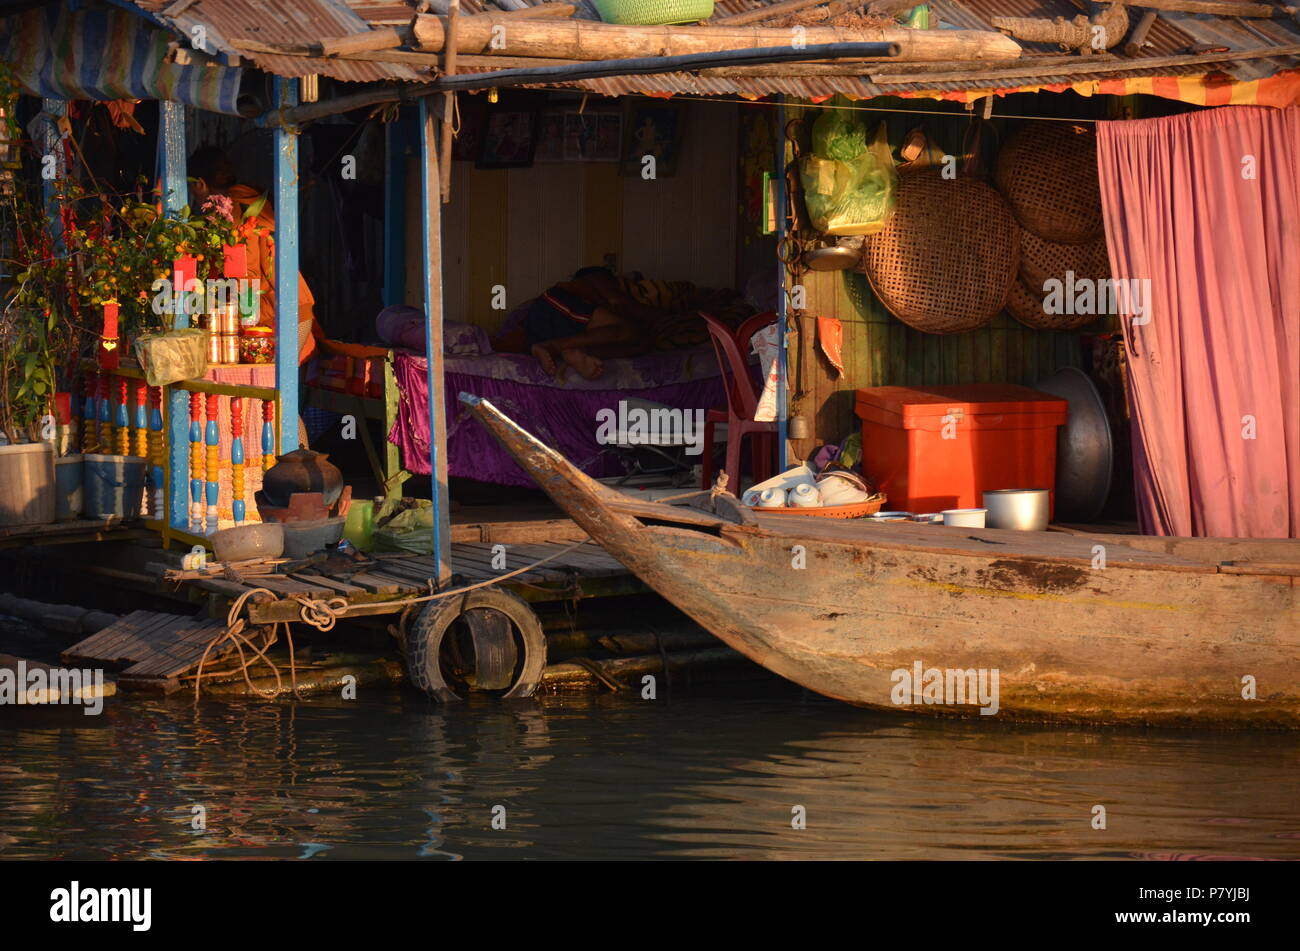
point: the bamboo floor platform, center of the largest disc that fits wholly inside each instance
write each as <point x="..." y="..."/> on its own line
<point x="151" y="648"/>
<point x="381" y="584"/>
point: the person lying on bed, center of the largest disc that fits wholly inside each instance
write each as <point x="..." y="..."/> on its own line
<point x="581" y="321"/>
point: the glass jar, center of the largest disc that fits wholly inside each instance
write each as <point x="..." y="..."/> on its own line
<point x="257" y="345"/>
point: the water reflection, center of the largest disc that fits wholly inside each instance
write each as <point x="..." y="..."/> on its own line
<point x="715" y="777"/>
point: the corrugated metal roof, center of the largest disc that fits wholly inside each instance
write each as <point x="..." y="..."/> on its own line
<point x="287" y="22"/>
<point x="301" y="21"/>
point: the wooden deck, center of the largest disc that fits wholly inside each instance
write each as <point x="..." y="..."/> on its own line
<point x="72" y="532"/>
<point x="377" y="586"/>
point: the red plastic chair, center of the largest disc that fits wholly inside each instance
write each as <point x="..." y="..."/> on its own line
<point x="742" y="403"/>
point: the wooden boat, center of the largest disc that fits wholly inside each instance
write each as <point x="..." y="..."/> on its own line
<point x="1077" y="627"/>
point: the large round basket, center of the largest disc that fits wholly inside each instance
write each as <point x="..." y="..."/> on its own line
<point x="1048" y="173"/>
<point x="1042" y="260"/>
<point x="945" y="260"/>
<point x="1026" y="306"/>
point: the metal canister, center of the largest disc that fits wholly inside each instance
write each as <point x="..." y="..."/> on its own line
<point x="214" y="348"/>
<point x="229" y="348"/>
<point x="227" y="319"/>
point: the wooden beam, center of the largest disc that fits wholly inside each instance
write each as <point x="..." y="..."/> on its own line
<point x="765" y="13"/>
<point x="430" y="196"/>
<point x="589" y="40"/>
<point x="449" y="100"/>
<point x="285" y="203"/>
<point x="1222" y="8"/>
<point x="385" y="39"/>
<point x="1084" y="67"/>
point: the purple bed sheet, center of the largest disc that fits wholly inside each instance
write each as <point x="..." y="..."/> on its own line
<point x="561" y="414"/>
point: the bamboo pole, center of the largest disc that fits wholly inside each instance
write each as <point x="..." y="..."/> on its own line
<point x="1136" y="39"/>
<point x="491" y="34"/>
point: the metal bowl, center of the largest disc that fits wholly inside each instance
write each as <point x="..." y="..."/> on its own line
<point x="1084" y="449"/>
<point x="832" y="259"/>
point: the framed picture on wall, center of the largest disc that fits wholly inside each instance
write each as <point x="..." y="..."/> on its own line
<point x="509" y="138"/>
<point x="550" y="139"/>
<point x="651" y="129"/>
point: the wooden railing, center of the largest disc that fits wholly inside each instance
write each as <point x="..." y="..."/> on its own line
<point x="121" y="414"/>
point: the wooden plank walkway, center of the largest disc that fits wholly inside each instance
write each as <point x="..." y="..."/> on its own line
<point x="152" y="648"/>
<point x="371" y="588"/>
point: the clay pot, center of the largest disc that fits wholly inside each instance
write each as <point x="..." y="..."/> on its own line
<point x="303" y="470"/>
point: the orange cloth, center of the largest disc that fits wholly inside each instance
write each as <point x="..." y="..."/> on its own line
<point x="256" y="223"/>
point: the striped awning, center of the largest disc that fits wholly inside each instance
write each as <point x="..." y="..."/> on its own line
<point x="1210" y="89"/>
<point x="107" y="54"/>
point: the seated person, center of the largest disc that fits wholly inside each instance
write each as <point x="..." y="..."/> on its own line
<point x="580" y="321"/>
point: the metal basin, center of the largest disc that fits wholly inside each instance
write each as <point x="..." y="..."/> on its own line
<point x="1025" y="510"/>
<point x="1084" y="450"/>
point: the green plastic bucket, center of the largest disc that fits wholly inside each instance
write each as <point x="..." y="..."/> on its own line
<point x="114" y="485"/>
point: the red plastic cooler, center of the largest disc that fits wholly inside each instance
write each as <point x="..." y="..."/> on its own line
<point x="930" y="448"/>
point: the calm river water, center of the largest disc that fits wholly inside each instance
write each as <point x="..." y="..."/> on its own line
<point x="716" y="775"/>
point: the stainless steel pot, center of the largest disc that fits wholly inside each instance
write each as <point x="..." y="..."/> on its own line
<point x="1025" y="510"/>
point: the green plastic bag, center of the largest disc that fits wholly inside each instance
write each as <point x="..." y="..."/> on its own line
<point x="848" y="181"/>
<point x="404" y="525"/>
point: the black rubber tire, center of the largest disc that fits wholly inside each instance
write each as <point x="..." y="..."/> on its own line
<point x="424" y="641"/>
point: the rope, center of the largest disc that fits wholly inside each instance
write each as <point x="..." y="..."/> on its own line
<point x="323" y="614"/>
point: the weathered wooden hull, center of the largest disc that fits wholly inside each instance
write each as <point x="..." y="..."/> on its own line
<point x="1074" y="628"/>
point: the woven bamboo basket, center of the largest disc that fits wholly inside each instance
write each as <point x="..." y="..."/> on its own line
<point x="853" y="510"/>
<point x="944" y="262"/>
<point x="1041" y="260"/>
<point x="1048" y="173"/>
<point x="1027" y="307"/>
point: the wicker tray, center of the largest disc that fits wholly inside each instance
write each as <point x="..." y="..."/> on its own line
<point x="857" y="510"/>
<point x="1027" y="307"/>
<point x="1048" y="173"/>
<point x="1042" y="260"/>
<point x="944" y="262"/>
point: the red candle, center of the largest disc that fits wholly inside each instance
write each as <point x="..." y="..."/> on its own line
<point x="108" y="352"/>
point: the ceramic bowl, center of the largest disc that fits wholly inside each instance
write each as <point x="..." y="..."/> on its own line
<point x="246" y="542"/>
<point x="805" y="497"/>
<point x="965" y="518"/>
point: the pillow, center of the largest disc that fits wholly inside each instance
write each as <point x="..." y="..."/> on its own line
<point x="403" y="326"/>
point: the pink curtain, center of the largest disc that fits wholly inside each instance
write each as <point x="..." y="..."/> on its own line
<point x="1206" y="206"/>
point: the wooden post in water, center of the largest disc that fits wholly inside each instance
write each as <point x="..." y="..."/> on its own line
<point x="286" y="266"/>
<point x="431" y="199"/>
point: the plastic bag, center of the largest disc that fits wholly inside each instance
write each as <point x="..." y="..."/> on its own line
<point x="848" y="181"/>
<point x="410" y="529"/>
<point x="173" y="356"/>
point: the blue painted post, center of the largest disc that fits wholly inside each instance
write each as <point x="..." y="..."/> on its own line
<point x="397" y="142"/>
<point x="52" y="145"/>
<point x="175" y="196"/>
<point x="431" y="198"/>
<point x="782" y="413"/>
<point x="286" y="266"/>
